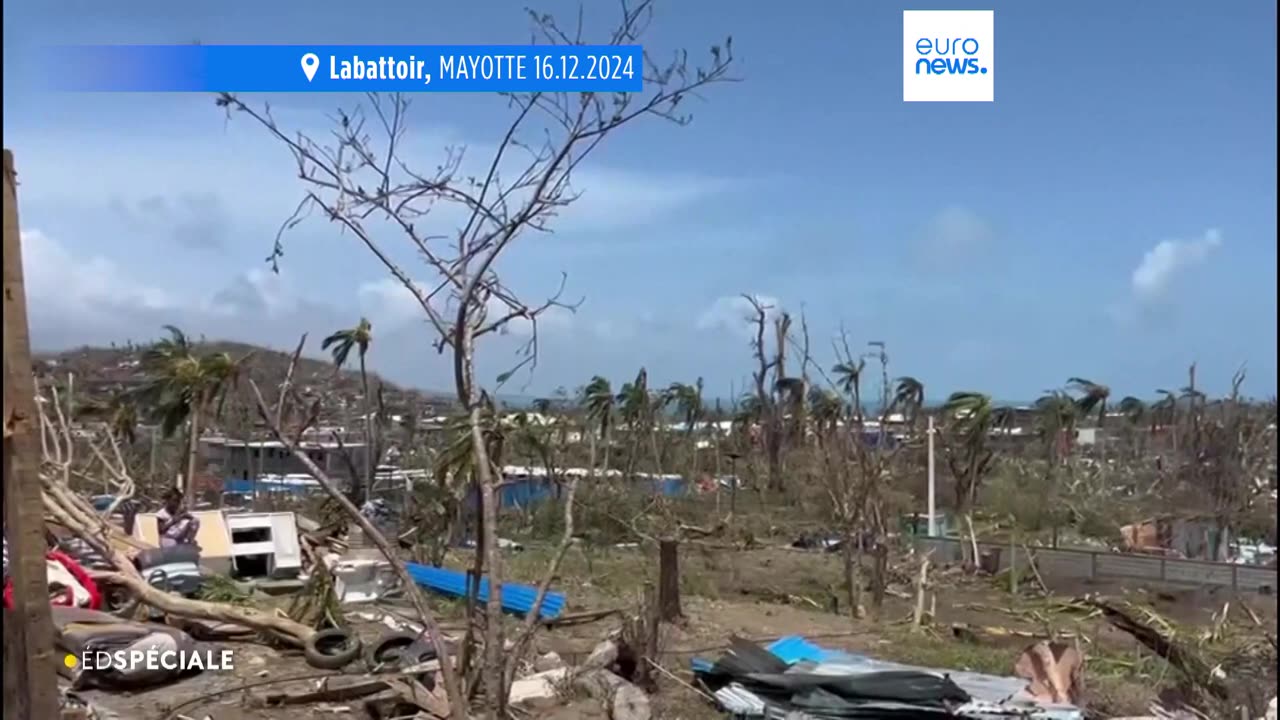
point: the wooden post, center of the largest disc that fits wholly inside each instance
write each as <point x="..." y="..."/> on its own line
<point x="1013" y="565"/>
<point x="921" y="582"/>
<point x="669" y="580"/>
<point x="733" y="489"/>
<point x="652" y="634"/>
<point x="30" y="675"/>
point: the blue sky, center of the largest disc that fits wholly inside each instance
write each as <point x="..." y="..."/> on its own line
<point x="1112" y="215"/>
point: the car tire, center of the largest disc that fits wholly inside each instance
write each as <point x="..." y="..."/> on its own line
<point x="390" y="652"/>
<point x="118" y="601"/>
<point x="331" y="649"/>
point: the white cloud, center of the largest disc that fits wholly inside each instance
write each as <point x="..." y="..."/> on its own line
<point x="955" y="232"/>
<point x="248" y="177"/>
<point x="73" y="300"/>
<point x="1151" y="285"/>
<point x="76" y="300"/>
<point x="612" y="198"/>
<point x="735" y="314"/>
<point x="59" y="282"/>
<point x="387" y="302"/>
<point x="1169" y="259"/>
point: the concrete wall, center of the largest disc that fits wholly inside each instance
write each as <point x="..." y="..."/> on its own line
<point x="1070" y="563"/>
<point x="239" y="461"/>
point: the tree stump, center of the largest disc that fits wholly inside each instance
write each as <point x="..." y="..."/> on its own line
<point x="669" y="581"/>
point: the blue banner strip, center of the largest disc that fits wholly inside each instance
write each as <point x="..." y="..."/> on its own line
<point x="345" y="68"/>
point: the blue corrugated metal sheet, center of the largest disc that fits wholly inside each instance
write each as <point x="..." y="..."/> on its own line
<point x="670" y="487"/>
<point x="516" y="598"/>
<point x="525" y="492"/>
<point x="793" y="649"/>
<point x="522" y="493"/>
<point x="246" y="487"/>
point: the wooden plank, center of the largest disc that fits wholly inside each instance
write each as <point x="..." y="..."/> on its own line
<point x="328" y="693"/>
<point x="30" y="680"/>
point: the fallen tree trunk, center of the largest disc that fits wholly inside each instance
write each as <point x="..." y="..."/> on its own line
<point x="68" y="510"/>
<point x="1177" y="654"/>
<point x="63" y="507"/>
<point x="278" y="626"/>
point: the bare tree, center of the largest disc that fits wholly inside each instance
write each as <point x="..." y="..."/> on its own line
<point x="377" y="195"/>
<point x="770" y="414"/>
<point x="1228" y="450"/>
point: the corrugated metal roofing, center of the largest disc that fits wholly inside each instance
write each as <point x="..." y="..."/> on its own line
<point x="991" y="696"/>
<point x="516" y="598"/>
<point x="793" y="649"/>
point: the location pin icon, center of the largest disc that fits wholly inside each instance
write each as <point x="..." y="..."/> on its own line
<point x="309" y="65"/>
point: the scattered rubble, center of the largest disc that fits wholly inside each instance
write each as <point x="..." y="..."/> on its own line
<point x="117" y="590"/>
<point x="794" y="675"/>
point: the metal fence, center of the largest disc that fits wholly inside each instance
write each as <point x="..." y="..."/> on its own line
<point x="1094" y="565"/>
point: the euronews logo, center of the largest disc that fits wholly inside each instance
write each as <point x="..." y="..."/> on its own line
<point x="948" y="56"/>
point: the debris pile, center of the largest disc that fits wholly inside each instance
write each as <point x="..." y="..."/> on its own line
<point x="793" y="675"/>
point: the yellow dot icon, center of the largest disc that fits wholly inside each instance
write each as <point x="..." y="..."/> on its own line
<point x="70" y="661"/>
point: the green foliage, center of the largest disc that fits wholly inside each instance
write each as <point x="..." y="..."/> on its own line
<point x="182" y="382"/>
<point x="341" y="343"/>
<point x="1024" y="492"/>
<point x="598" y="399"/>
<point x="908" y="397"/>
<point x="316" y="604"/>
<point x="1093" y="397"/>
<point x="222" y="589"/>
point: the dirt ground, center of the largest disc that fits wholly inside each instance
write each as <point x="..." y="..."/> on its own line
<point x="761" y="595"/>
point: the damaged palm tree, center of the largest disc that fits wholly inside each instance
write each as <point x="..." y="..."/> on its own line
<point x="373" y="193"/>
<point x="1226" y="672"/>
<point x="969" y="420"/>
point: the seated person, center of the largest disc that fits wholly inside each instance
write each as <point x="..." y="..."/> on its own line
<point x="176" y="525"/>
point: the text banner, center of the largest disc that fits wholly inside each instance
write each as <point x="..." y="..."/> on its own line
<point x="345" y="68"/>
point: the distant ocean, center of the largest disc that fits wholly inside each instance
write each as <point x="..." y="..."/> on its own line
<point x="523" y="402"/>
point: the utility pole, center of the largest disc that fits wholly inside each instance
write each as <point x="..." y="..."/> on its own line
<point x="30" y="677"/>
<point x="883" y="357"/>
<point x="881" y="354"/>
<point x="933" y="526"/>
